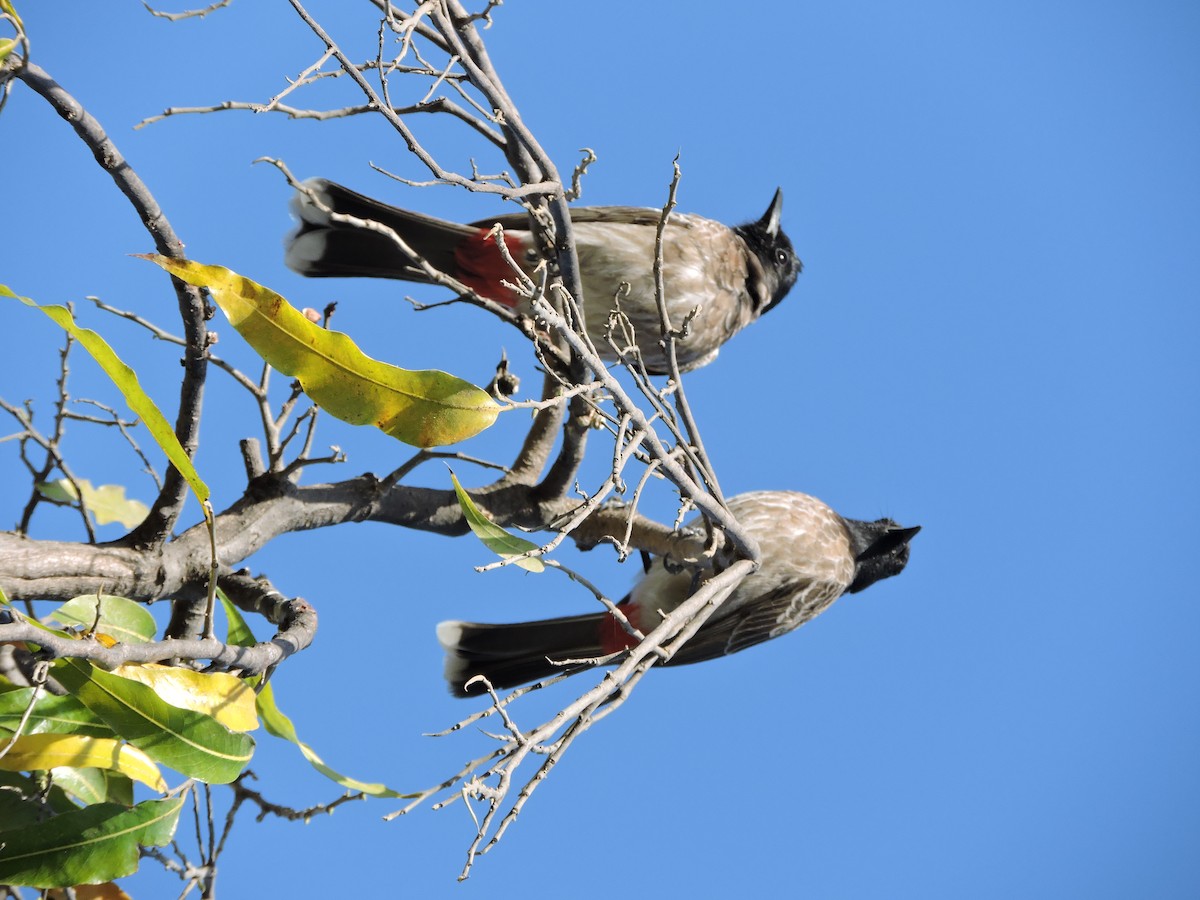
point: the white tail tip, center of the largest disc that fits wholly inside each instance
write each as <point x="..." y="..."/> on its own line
<point x="306" y="204"/>
<point x="449" y="634"/>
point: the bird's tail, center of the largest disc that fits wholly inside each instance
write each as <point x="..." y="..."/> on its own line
<point x="509" y="655"/>
<point x="321" y="247"/>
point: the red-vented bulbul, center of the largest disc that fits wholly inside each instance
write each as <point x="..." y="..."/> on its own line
<point x="731" y="276"/>
<point x="810" y="557"/>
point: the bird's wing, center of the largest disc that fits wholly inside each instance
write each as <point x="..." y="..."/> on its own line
<point x="627" y="215"/>
<point x="782" y="610"/>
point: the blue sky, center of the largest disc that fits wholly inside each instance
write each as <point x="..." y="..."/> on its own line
<point x="994" y="337"/>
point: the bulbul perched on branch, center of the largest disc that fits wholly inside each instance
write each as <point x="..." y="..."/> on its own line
<point x="730" y="276"/>
<point x="810" y="557"/>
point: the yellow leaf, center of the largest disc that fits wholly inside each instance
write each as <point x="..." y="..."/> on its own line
<point x="424" y="408"/>
<point x="225" y="697"/>
<point x="31" y="752"/>
<point x="106" y="503"/>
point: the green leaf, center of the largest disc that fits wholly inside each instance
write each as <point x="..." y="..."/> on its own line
<point x="495" y="538"/>
<point x="91" y="785"/>
<point x="86" y="784"/>
<point x="127" y="383"/>
<point x="189" y="742"/>
<point x="120" y="618"/>
<point x="281" y="726"/>
<point x="20" y="796"/>
<point x="238" y="633"/>
<point x="106" y="503"/>
<point x="118" y="788"/>
<point x="423" y="408"/>
<point x="51" y="715"/>
<point x="86" y="846"/>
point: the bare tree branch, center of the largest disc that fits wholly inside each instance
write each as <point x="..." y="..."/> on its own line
<point x="165" y="511"/>
<point x="297" y="622"/>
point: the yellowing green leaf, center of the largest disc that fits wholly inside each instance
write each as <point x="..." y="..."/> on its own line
<point x="225" y="697"/>
<point x="7" y="44"/>
<point x="281" y="726"/>
<point x="49" y="751"/>
<point x="127" y="383"/>
<point x="423" y="408"/>
<point x="120" y="617"/>
<point x="495" y="538"/>
<point x="189" y="742"/>
<point x="8" y="7"/>
<point x="106" y="503"/>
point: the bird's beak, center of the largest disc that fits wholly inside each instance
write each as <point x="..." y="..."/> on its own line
<point x="774" y="214"/>
<point x="885" y="544"/>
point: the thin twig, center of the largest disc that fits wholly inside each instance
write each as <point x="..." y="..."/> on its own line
<point x="186" y="14"/>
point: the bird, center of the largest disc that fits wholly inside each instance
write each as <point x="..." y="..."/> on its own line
<point x="810" y="557"/>
<point x="729" y="276"/>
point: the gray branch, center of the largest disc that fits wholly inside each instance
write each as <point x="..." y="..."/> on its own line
<point x="169" y="503"/>
<point x="296" y="619"/>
